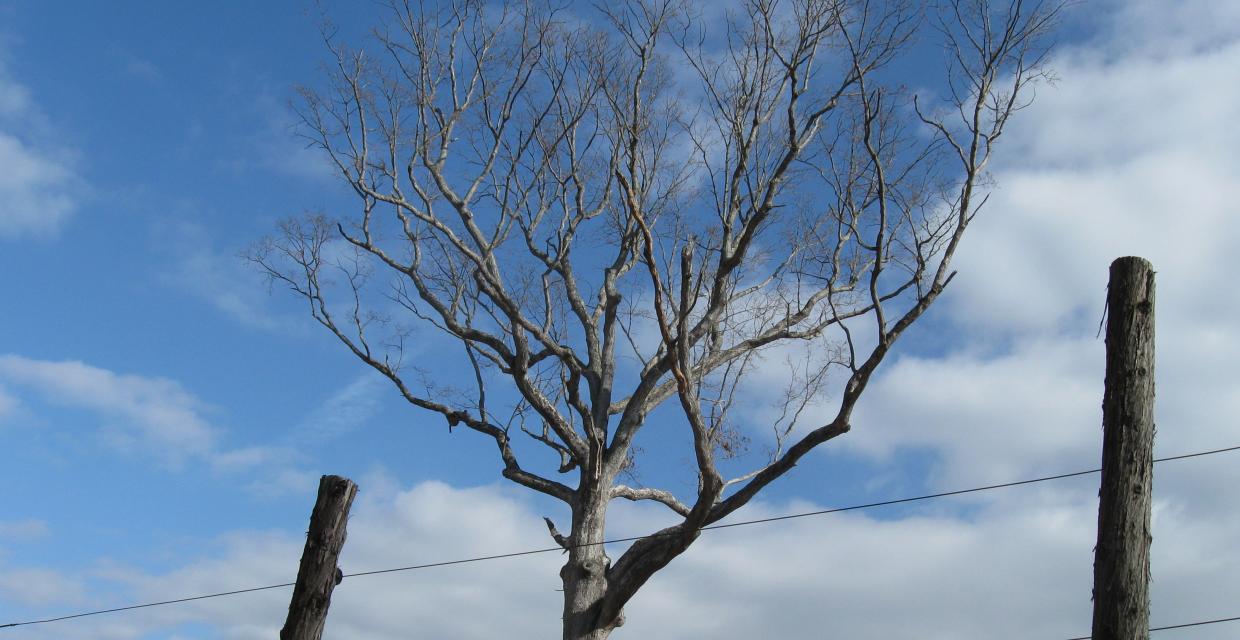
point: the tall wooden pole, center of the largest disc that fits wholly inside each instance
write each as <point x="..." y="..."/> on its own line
<point x="318" y="573"/>
<point x="1122" y="557"/>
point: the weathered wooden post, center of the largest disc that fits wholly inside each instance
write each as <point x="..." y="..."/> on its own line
<point x="1122" y="557"/>
<point x="318" y="573"/>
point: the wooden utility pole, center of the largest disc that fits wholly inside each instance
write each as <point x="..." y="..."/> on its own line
<point x="1122" y="557"/>
<point x="318" y="573"/>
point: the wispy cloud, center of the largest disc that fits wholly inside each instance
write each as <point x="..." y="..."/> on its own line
<point x="345" y="410"/>
<point x="14" y="98"/>
<point x="150" y="416"/>
<point x="138" y="67"/>
<point x="39" y="186"/>
<point x="28" y="529"/>
<point x="222" y="279"/>
<point x="283" y="481"/>
<point x="38" y="587"/>
<point x="155" y="418"/>
<point x="274" y="145"/>
<point x="153" y="414"/>
<point x="8" y="403"/>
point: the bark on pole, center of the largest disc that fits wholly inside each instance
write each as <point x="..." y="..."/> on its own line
<point x="318" y="573"/>
<point x="1122" y="557"/>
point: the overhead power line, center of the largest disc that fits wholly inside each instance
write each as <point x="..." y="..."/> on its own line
<point x="1199" y="623"/>
<point x="821" y="512"/>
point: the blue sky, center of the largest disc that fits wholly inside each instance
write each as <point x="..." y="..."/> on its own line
<point x="164" y="420"/>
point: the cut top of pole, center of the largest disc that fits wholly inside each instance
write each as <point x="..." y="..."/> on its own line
<point x="318" y="573"/>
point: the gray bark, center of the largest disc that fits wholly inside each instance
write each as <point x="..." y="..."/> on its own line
<point x="318" y="574"/>
<point x="1122" y="557"/>
<point x="585" y="575"/>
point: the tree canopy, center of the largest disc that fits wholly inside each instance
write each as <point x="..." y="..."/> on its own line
<point x="635" y="208"/>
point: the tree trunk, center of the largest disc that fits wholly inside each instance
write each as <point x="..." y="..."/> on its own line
<point x="585" y="573"/>
<point x="1122" y="557"/>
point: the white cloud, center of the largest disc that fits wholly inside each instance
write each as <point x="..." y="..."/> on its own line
<point x="152" y="416"/>
<point x="1033" y="411"/>
<point x="1017" y="567"/>
<point x="36" y="193"/>
<point x="139" y="412"/>
<point x="1154" y="28"/>
<point x="1132" y="155"/>
<point x="387" y="528"/>
<point x="39" y="188"/>
<point x="38" y="587"/>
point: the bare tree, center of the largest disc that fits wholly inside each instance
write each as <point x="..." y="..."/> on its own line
<point x="633" y="208"/>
